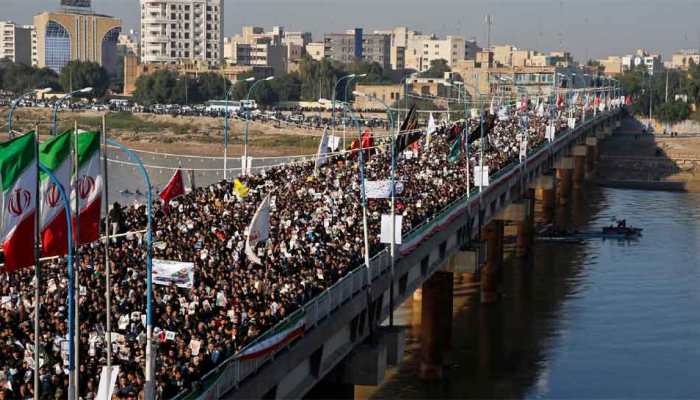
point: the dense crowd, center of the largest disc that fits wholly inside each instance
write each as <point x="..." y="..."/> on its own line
<point x="316" y="238"/>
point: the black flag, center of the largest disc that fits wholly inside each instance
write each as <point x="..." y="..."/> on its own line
<point x="408" y="133"/>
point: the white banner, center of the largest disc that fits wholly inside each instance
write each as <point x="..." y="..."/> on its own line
<point x="106" y="387"/>
<point x="481" y="178"/>
<point x="523" y="148"/>
<point x="381" y="189"/>
<point x="386" y="229"/>
<point x="322" y="155"/>
<point x="549" y="133"/>
<point x="167" y="272"/>
<point x="259" y="229"/>
<point x="572" y="123"/>
<point x="334" y="142"/>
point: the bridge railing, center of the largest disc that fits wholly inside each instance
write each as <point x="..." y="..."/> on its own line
<point x="231" y="372"/>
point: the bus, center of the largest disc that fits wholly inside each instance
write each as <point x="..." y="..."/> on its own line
<point x="234" y="106"/>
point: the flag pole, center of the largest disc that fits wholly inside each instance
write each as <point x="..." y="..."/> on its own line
<point x="76" y="265"/>
<point x="37" y="267"/>
<point x="108" y="284"/>
<point x="393" y="215"/>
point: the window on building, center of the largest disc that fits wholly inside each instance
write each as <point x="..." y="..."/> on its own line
<point x="57" y="46"/>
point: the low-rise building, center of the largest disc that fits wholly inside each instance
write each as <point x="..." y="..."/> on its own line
<point x="316" y="50"/>
<point x="612" y="65"/>
<point x="652" y="62"/>
<point x="374" y="92"/>
<point x="684" y="58"/>
<point x="423" y="50"/>
<point x="133" y="69"/>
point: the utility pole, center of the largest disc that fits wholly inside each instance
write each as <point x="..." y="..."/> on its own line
<point x="666" y="98"/>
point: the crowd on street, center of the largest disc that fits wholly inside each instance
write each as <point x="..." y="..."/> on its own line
<point x="316" y="238"/>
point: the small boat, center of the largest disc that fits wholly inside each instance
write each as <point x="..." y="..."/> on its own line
<point x="621" y="231"/>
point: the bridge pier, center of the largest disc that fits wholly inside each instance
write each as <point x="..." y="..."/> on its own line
<point x="493" y="235"/>
<point x="436" y="324"/>
<point x="521" y="214"/>
<point x="591" y="156"/>
<point x="564" y="168"/>
<point x="544" y="192"/>
<point x="579" y="165"/>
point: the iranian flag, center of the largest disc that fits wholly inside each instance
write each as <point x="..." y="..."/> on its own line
<point x="18" y="178"/>
<point x="55" y="155"/>
<point x="89" y="187"/>
<point x="275" y="338"/>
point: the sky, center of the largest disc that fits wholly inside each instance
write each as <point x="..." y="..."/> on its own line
<point x="589" y="29"/>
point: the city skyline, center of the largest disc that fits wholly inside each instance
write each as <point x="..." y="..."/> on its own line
<point x="590" y="30"/>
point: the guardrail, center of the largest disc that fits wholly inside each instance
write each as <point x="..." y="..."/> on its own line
<point x="231" y="372"/>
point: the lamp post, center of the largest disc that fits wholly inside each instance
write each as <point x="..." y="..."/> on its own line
<point x="392" y="249"/>
<point x="244" y="165"/>
<point x="335" y="90"/>
<point x="15" y="103"/>
<point x="58" y="102"/>
<point x="226" y="128"/>
<point x="345" y="99"/>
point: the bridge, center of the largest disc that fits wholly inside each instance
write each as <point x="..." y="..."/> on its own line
<point x="346" y="341"/>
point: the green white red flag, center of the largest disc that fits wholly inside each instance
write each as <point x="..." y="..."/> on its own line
<point x="276" y="338"/>
<point x="89" y="187"/>
<point x="55" y="155"/>
<point x="18" y="178"/>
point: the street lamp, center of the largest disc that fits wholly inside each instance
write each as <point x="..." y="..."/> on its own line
<point x="392" y="249"/>
<point x="335" y="90"/>
<point x="247" y="120"/>
<point x="345" y="99"/>
<point x="61" y="100"/>
<point x="226" y="112"/>
<point x="15" y="103"/>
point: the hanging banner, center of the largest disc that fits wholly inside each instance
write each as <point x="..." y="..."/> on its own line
<point x="481" y="177"/>
<point x="523" y="148"/>
<point x="550" y="133"/>
<point x="166" y="273"/>
<point x="386" y="229"/>
<point x="381" y="189"/>
<point x="572" y="123"/>
<point x="106" y="387"/>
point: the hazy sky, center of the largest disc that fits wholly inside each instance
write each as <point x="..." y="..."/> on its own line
<point x="589" y="28"/>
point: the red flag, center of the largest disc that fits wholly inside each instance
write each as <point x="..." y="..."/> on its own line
<point x="560" y="101"/>
<point x="523" y="103"/>
<point x="367" y="140"/>
<point x="174" y="189"/>
<point x="628" y="100"/>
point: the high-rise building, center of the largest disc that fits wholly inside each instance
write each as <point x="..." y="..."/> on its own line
<point x="422" y="50"/>
<point x="173" y="30"/>
<point x="76" y="34"/>
<point x="18" y="43"/>
<point x="256" y="47"/>
<point x="354" y="45"/>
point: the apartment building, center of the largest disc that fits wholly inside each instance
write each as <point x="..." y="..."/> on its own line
<point x="276" y="48"/>
<point x="422" y="50"/>
<point x="173" y="30"/>
<point x="316" y="50"/>
<point x="18" y="43"/>
<point x="354" y="45"/>
<point x="652" y="62"/>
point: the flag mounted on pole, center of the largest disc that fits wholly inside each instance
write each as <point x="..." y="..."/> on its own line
<point x="322" y="154"/>
<point x="408" y="133"/>
<point x="18" y="177"/>
<point x="89" y="187"/>
<point x="174" y="189"/>
<point x="55" y="155"/>
<point x="456" y="149"/>
<point x="432" y="128"/>
<point x="259" y="230"/>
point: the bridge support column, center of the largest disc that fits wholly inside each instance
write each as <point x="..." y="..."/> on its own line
<point x="436" y="324"/>
<point x="591" y="156"/>
<point x="520" y="213"/>
<point x="565" y="169"/>
<point x="544" y="192"/>
<point x="493" y="235"/>
<point x="579" y="165"/>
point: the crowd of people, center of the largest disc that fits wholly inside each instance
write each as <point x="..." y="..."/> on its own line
<point x="316" y="238"/>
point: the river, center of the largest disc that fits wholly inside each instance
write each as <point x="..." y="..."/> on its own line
<point x="605" y="319"/>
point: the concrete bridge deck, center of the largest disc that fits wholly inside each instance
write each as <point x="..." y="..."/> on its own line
<point x="344" y="343"/>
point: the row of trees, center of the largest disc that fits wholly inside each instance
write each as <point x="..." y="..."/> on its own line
<point x="313" y="80"/>
<point x="18" y="78"/>
<point x="650" y="92"/>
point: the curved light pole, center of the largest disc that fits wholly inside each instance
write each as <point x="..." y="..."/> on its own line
<point x="15" y="103"/>
<point x="244" y="165"/>
<point x="58" y="102"/>
<point x="226" y="128"/>
<point x="392" y="249"/>
<point x="345" y="99"/>
<point x="149" y="387"/>
<point x="335" y="89"/>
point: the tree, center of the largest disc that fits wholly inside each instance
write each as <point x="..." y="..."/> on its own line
<point x="19" y="78"/>
<point x="672" y="112"/>
<point x="159" y="87"/>
<point x="81" y="74"/>
<point x="437" y="69"/>
<point x="210" y="86"/>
